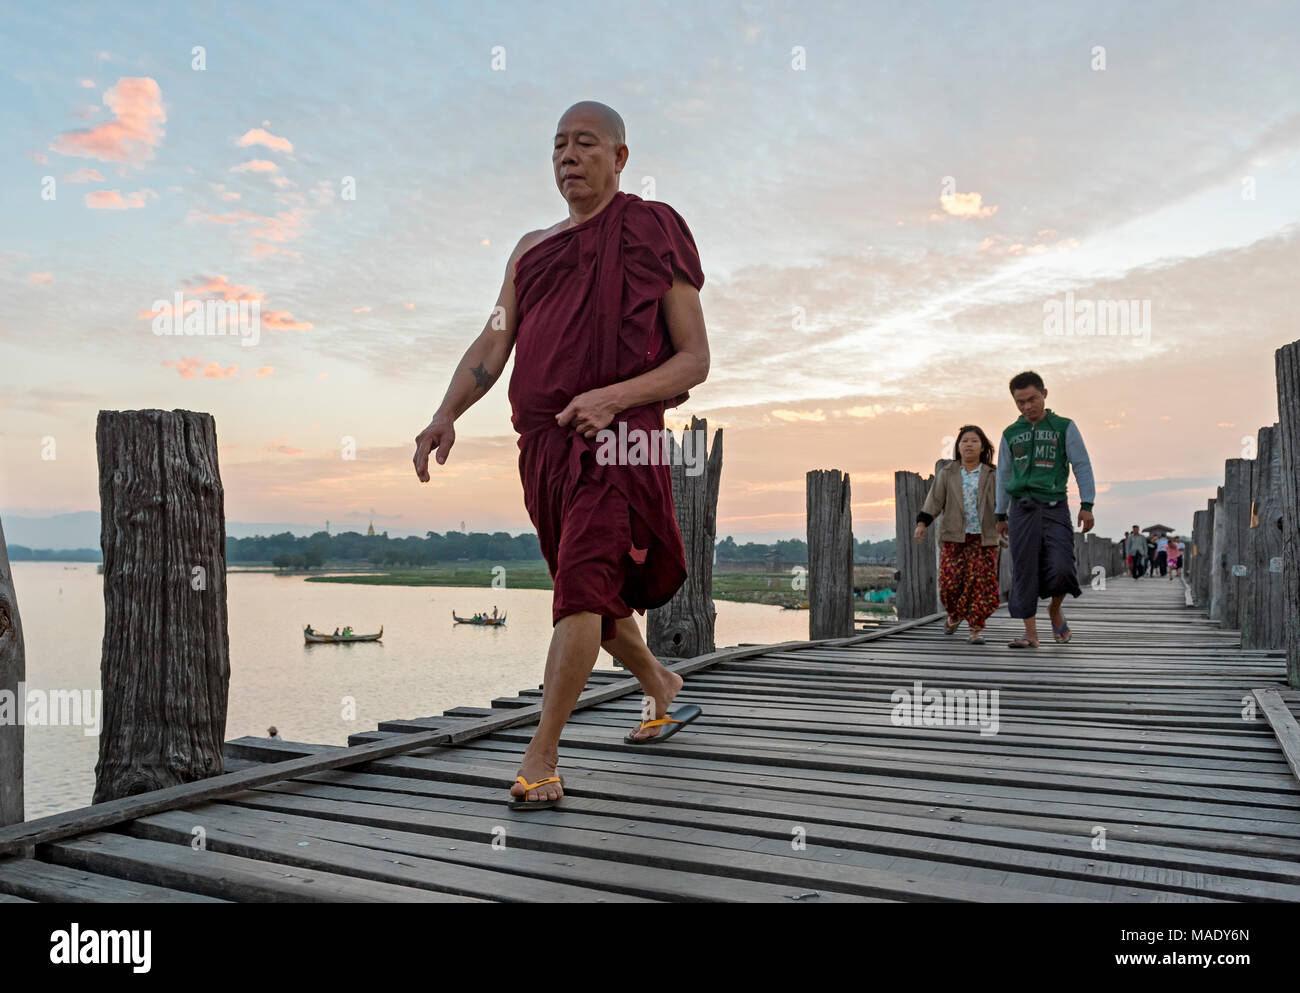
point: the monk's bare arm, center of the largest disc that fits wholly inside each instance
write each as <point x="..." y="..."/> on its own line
<point x="687" y="367"/>
<point x="480" y="367"/>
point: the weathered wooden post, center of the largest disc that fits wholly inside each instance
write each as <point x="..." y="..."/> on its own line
<point x="1193" y="564"/>
<point x="1236" y="513"/>
<point x="166" y="652"/>
<point x="1081" y="558"/>
<point x="918" y="581"/>
<point x="1218" y="560"/>
<point x="830" y="554"/>
<point x="1205" y="559"/>
<point x="684" y="626"/>
<point x="13" y="672"/>
<point x="1263" y="600"/>
<point x="1288" y="408"/>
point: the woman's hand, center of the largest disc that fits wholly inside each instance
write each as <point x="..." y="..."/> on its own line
<point x="919" y="533"/>
<point x="589" y="412"/>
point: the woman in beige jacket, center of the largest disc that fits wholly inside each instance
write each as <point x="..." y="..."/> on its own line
<point x="968" y="559"/>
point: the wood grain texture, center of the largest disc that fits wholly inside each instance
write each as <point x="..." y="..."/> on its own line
<point x="830" y="554"/>
<point x="13" y="671"/>
<point x="1288" y="408"/>
<point x="166" y="652"/>
<point x="683" y="627"/>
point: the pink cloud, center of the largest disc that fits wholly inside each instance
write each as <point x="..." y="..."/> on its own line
<point x="361" y="310"/>
<point x="271" y="446"/>
<point x="41" y="278"/>
<point x="282" y="320"/>
<point x="257" y="136"/>
<point x="189" y="368"/>
<point x="133" y="134"/>
<point x="185" y="367"/>
<point x="255" y="165"/>
<point x="966" y="205"/>
<point x="40" y="158"/>
<point x="265" y="371"/>
<point x="113" y="199"/>
<point x="88" y="84"/>
<point x="84" y="176"/>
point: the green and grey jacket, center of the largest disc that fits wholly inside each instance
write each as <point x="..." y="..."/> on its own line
<point x="1034" y="460"/>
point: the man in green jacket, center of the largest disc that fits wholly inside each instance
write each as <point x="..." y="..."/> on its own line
<point x="1034" y="462"/>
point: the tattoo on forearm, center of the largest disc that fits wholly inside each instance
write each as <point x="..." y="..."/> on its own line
<point x="482" y="376"/>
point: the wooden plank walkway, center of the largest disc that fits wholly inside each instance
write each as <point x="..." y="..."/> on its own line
<point x="1121" y="770"/>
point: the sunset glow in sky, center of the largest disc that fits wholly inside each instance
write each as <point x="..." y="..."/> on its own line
<point x="887" y="199"/>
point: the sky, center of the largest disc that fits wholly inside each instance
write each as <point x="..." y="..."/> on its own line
<point x="890" y="202"/>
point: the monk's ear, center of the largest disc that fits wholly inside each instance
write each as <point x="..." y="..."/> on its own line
<point x="620" y="158"/>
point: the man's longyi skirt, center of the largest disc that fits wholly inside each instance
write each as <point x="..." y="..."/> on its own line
<point x="1042" y="554"/>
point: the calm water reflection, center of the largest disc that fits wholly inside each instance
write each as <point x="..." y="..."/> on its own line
<point x="425" y="664"/>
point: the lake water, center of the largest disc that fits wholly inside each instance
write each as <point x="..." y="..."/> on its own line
<point x="425" y="664"/>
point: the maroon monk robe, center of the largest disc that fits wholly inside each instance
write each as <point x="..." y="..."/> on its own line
<point x="589" y="316"/>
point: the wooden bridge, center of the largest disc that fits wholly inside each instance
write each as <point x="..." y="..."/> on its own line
<point x="1136" y="764"/>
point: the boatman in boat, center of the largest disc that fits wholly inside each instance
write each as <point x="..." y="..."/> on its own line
<point x="604" y="309"/>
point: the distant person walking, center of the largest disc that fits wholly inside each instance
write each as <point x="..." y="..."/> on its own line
<point x="1161" y="560"/>
<point x="1034" y="461"/>
<point x="1174" y="553"/>
<point x="1135" y="547"/>
<point x="963" y="492"/>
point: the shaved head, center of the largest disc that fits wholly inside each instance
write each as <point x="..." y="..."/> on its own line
<point x="611" y="125"/>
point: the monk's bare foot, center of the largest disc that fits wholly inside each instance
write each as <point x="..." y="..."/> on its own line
<point x="533" y="768"/>
<point x="666" y="688"/>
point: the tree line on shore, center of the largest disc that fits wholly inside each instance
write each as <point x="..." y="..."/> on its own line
<point x="287" y="551"/>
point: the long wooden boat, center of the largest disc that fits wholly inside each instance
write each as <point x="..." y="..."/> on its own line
<point x="484" y="622"/>
<point x="316" y="638"/>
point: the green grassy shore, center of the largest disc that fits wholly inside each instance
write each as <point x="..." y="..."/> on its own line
<point x="744" y="587"/>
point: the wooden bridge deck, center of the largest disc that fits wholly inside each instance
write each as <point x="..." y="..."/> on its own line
<point x="1135" y="729"/>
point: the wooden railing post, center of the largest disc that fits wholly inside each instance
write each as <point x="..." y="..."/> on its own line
<point x="13" y="672"/>
<point x="830" y="554"/>
<point x="1193" y="559"/>
<point x="1218" y="559"/>
<point x="684" y="626"/>
<point x="166" y="651"/>
<point x="1236" y="513"/>
<point x="1263" y="598"/>
<point x="918" y="582"/>
<point x="1288" y="408"/>
<point x="1205" y="554"/>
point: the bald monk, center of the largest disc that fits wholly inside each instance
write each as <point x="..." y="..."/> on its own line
<point x="604" y="309"/>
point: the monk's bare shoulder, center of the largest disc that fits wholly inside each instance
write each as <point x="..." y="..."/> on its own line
<point x="532" y="238"/>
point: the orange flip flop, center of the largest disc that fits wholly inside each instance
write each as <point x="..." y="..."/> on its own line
<point x="682" y="717"/>
<point x="535" y="804"/>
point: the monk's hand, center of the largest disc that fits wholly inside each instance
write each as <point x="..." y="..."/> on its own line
<point x="440" y="435"/>
<point x="919" y="533"/>
<point x="588" y="412"/>
<point x="1086" y="520"/>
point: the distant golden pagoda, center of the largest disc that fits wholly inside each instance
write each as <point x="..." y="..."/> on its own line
<point x="371" y="530"/>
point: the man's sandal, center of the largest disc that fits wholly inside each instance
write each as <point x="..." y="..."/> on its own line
<point x="1022" y="642"/>
<point x="525" y="804"/>
<point x="682" y="717"/>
